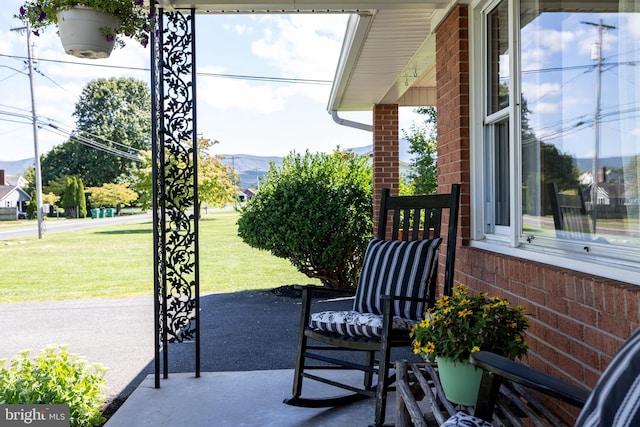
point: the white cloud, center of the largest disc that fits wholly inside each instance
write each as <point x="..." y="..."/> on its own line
<point x="240" y="95"/>
<point x="303" y="46"/>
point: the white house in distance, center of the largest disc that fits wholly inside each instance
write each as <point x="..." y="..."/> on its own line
<point x="13" y="198"/>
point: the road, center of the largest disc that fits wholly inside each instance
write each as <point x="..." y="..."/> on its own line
<point x="54" y="225"/>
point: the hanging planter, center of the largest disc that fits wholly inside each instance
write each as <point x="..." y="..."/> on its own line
<point x="90" y="28"/>
<point x="82" y="32"/>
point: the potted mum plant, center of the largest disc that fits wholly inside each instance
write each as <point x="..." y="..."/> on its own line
<point x="89" y="28"/>
<point x="462" y="324"/>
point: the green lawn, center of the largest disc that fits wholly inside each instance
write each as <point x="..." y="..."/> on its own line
<point x="116" y="261"/>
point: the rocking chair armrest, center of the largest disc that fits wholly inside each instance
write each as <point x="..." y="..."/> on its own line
<point x="311" y="289"/>
<point x="537" y="380"/>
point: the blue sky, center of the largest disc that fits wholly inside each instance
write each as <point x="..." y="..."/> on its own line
<point x="246" y="116"/>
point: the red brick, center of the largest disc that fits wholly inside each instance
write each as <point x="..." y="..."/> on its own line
<point x="600" y="341"/>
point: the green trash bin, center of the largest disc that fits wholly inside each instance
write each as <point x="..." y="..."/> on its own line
<point x="110" y="212"/>
<point x="101" y="213"/>
<point x="95" y="213"/>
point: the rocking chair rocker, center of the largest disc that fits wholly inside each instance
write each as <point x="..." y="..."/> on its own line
<point x="397" y="284"/>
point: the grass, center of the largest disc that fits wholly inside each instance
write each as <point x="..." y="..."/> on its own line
<point x="117" y="261"/>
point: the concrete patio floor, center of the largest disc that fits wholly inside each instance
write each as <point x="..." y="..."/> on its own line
<point x="237" y="399"/>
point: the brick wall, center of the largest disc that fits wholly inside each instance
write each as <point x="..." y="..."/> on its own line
<point x="386" y="160"/>
<point x="578" y="321"/>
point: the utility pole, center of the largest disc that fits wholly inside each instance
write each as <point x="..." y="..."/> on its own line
<point x="34" y="117"/>
<point x="597" y="56"/>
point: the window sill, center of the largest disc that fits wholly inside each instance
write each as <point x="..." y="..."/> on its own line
<point x="607" y="268"/>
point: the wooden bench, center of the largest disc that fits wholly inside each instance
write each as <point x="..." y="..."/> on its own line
<point x="516" y="406"/>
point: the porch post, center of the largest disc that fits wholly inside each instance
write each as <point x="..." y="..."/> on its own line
<point x="175" y="194"/>
<point x="386" y="158"/>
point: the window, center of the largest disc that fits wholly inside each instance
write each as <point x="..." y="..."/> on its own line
<point x="574" y="125"/>
<point x="497" y="187"/>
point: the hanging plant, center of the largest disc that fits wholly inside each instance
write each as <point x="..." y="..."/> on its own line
<point x="133" y="19"/>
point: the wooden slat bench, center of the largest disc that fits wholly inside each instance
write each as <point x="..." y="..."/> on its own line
<point x="516" y="406"/>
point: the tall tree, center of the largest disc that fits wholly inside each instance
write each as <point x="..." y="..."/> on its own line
<point x="114" y="113"/>
<point x="423" y="171"/>
<point x="81" y="199"/>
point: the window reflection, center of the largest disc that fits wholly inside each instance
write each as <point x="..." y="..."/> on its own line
<point x="580" y="111"/>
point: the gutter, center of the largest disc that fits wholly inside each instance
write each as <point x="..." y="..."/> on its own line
<point x="350" y="123"/>
<point x="355" y="36"/>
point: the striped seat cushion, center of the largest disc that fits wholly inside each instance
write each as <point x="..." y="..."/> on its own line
<point x="396" y="268"/>
<point x="462" y="419"/>
<point x="355" y="324"/>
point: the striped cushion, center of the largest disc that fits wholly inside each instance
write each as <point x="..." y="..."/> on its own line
<point x="355" y="324"/>
<point x="462" y="419"/>
<point x="396" y="268"/>
<point x="615" y="400"/>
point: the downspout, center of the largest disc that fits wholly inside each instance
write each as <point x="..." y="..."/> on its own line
<point x="350" y="123"/>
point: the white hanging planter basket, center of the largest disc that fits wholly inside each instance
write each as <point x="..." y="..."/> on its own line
<point x="81" y="34"/>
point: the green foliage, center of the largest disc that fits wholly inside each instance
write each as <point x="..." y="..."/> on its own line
<point x="69" y="197"/>
<point x="114" y="112"/>
<point x="464" y="323"/>
<point x="73" y="200"/>
<point x="134" y="17"/>
<point x="423" y="171"/>
<point x="81" y="200"/>
<point x="142" y="181"/>
<point x="215" y="180"/>
<point x="315" y="211"/>
<point x="111" y="195"/>
<point x="55" y="376"/>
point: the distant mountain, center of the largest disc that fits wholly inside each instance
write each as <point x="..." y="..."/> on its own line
<point x="250" y="168"/>
<point x="586" y="165"/>
<point x="404" y="145"/>
<point x="16" y="167"/>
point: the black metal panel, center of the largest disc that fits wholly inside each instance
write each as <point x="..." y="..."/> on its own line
<point x="176" y="275"/>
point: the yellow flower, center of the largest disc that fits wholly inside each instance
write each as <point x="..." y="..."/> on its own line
<point x="429" y="348"/>
<point x="464" y="313"/>
<point x="475" y="348"/>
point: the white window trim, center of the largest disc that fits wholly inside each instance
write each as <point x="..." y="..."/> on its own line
<point x="617" y="263"/>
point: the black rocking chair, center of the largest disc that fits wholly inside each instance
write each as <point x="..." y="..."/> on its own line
<point x="396" y="285"/>
<point x="613" y="402"/>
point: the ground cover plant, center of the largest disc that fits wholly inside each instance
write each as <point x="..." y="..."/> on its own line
<point x="117" y="261"/>
<point x="55" y="376"/>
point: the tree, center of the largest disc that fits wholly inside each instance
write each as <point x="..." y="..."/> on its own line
<point x="113" y="112"/>
<point x="111" y="195"/>
<point x="73" y="200"/>
<point x="423" y="171"/>
<point x="81" y="199"/>
<point x="215" y="180"/>
<point x="315" y="211"/>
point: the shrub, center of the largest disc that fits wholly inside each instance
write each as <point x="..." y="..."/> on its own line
<point x="55" y="376"/>
<point x="315" y="211"/>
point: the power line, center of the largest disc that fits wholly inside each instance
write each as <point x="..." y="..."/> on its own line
<point x="202" y="74"/>
<point x="132" y="154"/>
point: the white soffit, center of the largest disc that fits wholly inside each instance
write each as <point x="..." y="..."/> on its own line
<point x="388" y="56"/>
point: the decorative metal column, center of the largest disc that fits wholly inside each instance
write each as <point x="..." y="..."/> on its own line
<point x="175" y="194"/>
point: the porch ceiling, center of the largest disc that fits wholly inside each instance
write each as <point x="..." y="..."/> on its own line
<point x="388" y="54"/>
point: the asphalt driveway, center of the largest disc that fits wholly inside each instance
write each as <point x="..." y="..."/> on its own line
<point x="242" y="331"/>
